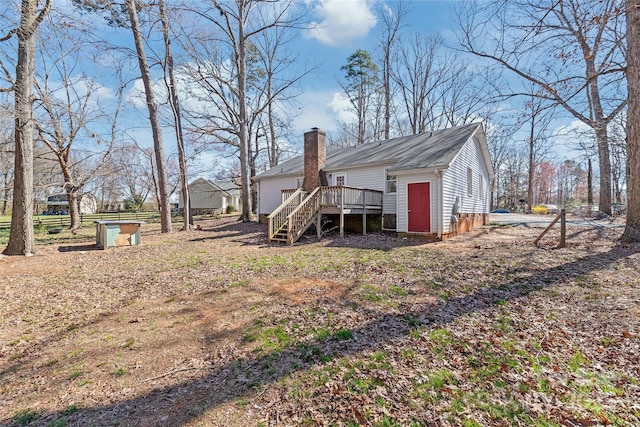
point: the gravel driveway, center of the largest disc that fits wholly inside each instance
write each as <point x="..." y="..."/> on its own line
<point x="541" y="221"/>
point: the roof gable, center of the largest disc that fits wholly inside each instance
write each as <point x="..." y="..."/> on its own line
<point x="202" y="184"/>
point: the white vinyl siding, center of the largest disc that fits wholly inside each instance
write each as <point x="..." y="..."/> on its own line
<point x="455" y="183"/>
<point x="372" y="178"/>
<point x="204" y="195"/>
<point x="270" y="191"/>
<point x="402" y="220"/>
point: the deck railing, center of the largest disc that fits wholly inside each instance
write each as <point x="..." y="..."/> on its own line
<point x="278" y="218"/>
<point x="285" y="194"/>
<point x="347" y="197"/>
<point x="299" y="219"/>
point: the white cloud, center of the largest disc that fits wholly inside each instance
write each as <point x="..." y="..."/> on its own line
<point x="342" y="108"/>
<point x="568" y="138"/>
<point x="136" y="95"/>
<point x="342" y="21"/>
<point x="322" y="109"/>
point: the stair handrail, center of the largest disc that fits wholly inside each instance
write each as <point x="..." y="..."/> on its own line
<point x="278" y="218"/>
<point x="300" y="211"/>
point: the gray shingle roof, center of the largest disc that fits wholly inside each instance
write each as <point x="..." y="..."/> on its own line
<point x="421" y="151"/>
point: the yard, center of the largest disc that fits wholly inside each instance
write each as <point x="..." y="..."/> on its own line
<point x="216" y="327"/>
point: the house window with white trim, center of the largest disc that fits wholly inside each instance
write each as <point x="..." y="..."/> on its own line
<point x="481" y="186"/>
<point x="340" y="180"/>
<point x="469" y="182"/>
<point x="391" y="186"/>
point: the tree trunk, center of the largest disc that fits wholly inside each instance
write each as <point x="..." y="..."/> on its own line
<point x="245" y="173"/>
<point x="273" y="151"/>
<point x="361" y="115"/>
<point x="387" y="91"/>
<point x="175" y="108"/>
<point x="21" y="236"/>
<point x="163" y="202"/>
<point x="74" y="210"/>
<point x="602" y="139"/>
<point x="589" y="183"/>
<point x="5" y="193"/>
<point x="604" y="162"/>
<point x="632" y="230"/>
<point x="531" y="164"/>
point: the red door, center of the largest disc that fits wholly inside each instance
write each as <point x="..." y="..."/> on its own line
<point x="419" y="207"/>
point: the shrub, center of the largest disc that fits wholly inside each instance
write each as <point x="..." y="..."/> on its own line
<point x="231" y="209"/>
<point x="539" y="209"/>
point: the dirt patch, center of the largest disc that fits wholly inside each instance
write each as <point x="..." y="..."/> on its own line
<point x="305" y="290"/>
<point x="46" y="262"/>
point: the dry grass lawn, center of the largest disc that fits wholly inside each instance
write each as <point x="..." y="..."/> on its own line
<point x="217" y="327"/>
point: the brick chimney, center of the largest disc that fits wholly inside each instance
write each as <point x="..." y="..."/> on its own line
<point x="315" y="156"/>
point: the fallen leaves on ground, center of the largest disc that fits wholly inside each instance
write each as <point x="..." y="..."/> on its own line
<point x="218" y="327"/>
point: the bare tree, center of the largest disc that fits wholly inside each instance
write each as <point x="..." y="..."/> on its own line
<point x="106" y="187"/>
<point x="462" y="95"/>
<point x="536" y="117"/>
<point x="71" y="113"/>
<point x="584" y="142"/>
<point x="124" y="13"/>
<point x="392" y="23"/>
<point x="632" y="229"/>
<point x="499" y="141"/>
<point x="225" y="75"/>
<point x="274" y="80"/>
<point x="6" y="158"/>
<point x="174" y="102"/>
<point x="418" y="74"/>
<point x="133" y="167"/>
<point x="21" y="237"/>
<point x="618" y="140"/>
<point x="513" y="176"/>
<point x="165" y="210"/>
<point x="573" y="50"/>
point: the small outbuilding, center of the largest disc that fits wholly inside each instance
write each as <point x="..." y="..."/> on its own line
<point x="209" y="197"/>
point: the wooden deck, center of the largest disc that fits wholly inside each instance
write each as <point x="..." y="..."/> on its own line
<point x="299" y="210"/>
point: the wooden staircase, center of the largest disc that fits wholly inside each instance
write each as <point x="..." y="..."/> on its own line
<point x="299" y="210"/>
<point x="294" y="216"/>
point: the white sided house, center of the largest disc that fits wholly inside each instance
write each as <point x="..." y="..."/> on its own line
<point x="208" y="197"/>
<point x="434" y="183"/>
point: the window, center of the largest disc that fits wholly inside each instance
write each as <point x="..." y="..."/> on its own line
<point x="391" y="184"/>
<point x="340" y="179"/>
<point x="469" y="182"/>
<point x="481" y="186"/>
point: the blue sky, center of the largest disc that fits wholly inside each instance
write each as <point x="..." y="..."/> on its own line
<point x="342" y="27"/>
<point x="347" y="25"/>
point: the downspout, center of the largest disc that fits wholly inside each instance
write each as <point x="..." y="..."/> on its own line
<point x="440" y="202"/>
